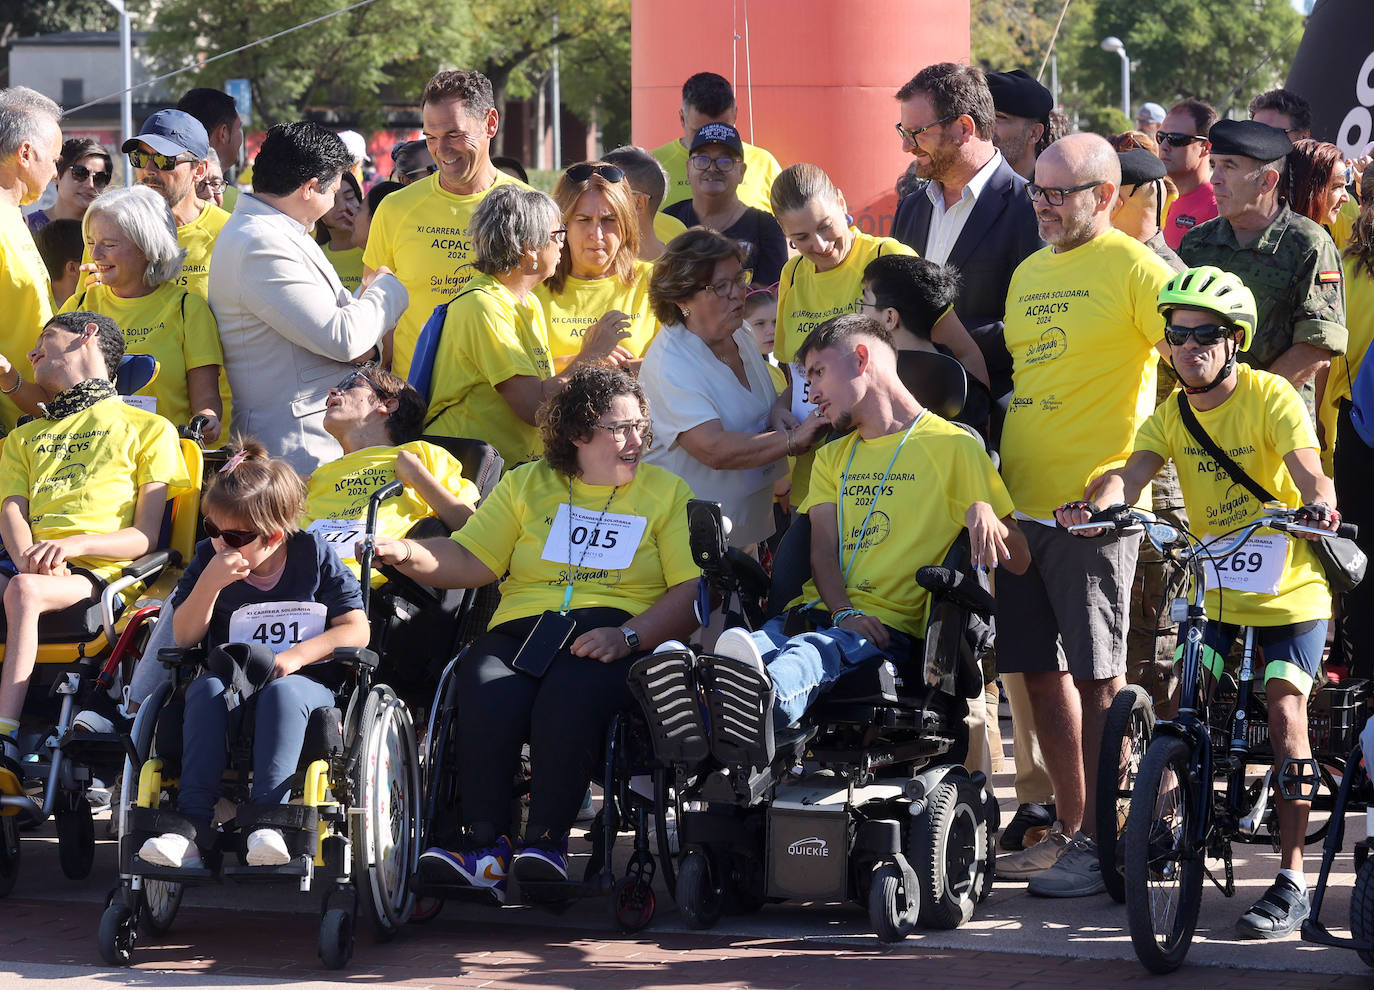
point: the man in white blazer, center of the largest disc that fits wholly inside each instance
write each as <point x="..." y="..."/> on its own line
<point x="289" y="328"/>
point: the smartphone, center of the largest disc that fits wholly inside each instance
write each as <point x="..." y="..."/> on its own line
<point x="550" y="634"/>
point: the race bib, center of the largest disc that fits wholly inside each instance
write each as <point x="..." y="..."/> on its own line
<point x="342" y="535"/>
<point x="599" y="542"/>
<point x="277" y="625"/>
<point x="802" y="406"/>
<point x="1257" y="566"/>
<point x="148" y="403"/>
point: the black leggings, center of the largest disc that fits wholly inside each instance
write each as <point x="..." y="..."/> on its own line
<point x="564" y="716"/>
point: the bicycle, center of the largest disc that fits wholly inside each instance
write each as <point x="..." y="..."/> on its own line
<point x="1178" y="815"/>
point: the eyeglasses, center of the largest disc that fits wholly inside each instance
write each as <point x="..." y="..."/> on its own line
<point x="559" y="236"/>
<point x="910" y="136"/>
<point x="703" y="163"/>
<point x="163" y="163"/>
<point x="643" y="428"/>
<point x="212" y="185"/>
<point x="354" y="378"/>
<point x="416" y="174"/>
<point x="1178" y="139"/>
<point x="235" y="538"/>
<point x="1054" y="196"/>
<point x="1205" y="336"/>
<point x="585" y="170"/>
<point x="81" y="173"/>
<point x="724" y="287"/>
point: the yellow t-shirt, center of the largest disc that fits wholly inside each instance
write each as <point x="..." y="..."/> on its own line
<point x="421" y="233"/>
<point x="338" y="493"/>
<point x="198" y="238"/>
<point x="82" y="474"/>
<point x="25" y="297"/>
<point x="348" y="263"/>
<point x="667" y="227"/>
<point x="1258" y="424"/>
<point x="806" y="299"/>
<point x="1359" y="321"/>
<point x="1081" y="328"/>
<point x="172" y="324"/>
<point x="1344" y="225"/>
<point x="488" y="338"/>
<point x="761" y="168"/>
<point x="584" y="301"/>
<point x="916" y="515"/>
<point x="625" y="558"/>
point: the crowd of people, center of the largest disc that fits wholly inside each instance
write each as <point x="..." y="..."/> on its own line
<point x="694" y="321"/>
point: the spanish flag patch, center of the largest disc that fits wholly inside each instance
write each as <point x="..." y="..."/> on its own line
<point x="1326" y="278"/>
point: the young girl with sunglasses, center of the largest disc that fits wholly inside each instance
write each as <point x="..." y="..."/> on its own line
<point x="261" y="581"/>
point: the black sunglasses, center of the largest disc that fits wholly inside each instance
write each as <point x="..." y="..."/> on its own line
<point x="81" y="173"/>
<point x="1206" y="336"/>
<point x="585" y="170"/>
<point x="1177" y="138"/>
<point x="235" y="538"/>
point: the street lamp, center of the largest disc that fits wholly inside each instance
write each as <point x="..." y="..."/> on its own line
<point x="1112" y="43"/>
<point x="126" y="100"/>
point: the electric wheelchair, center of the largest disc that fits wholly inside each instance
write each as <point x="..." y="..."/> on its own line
<point x="351" y="832"/>
<point x="86" y="653"/>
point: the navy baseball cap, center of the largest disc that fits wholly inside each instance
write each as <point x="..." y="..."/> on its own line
<point x="171" y="132"/>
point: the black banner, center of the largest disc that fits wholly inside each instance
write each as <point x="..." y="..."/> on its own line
<point x="1334" y="71"/>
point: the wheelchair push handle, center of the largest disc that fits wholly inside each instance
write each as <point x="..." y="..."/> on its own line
<point x="366" y="548"/>
<point x="195" y="429"/>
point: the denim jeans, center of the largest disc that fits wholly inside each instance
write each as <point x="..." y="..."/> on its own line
<point x="283" y="709"/>
<point x="803" y="666"/>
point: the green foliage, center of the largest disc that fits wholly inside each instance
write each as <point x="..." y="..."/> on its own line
<point x="1105" y="121"/>
<point x="25" y="17"/>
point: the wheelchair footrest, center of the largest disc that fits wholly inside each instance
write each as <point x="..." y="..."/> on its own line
<point x="441" y="884"/>
<point x="294" y="870"/>
<point x="151" y="871"/>
<point x="665" y="687"/>
<point x="88" y="748"/>
<point x="740" y="702"/>
<point x="298" y="824"/>
<point x="559" y="891"/>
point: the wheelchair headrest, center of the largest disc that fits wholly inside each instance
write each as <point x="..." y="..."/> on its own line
<point x="937" y="380"/>
<point x="482" y="465"/>
<point x="136" y="371"/>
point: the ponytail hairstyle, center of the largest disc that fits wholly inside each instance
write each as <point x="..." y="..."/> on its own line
<point x="263" y="491"/>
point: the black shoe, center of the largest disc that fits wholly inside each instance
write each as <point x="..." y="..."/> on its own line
<point x="1028" y="816"/>
<point x="1281" y="911"/>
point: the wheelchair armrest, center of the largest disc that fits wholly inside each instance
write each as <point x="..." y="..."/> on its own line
<point x="173" y="657"/>
<point x="357" y="656"/>
<point x="150" y="564"/>
<point x="958" y="588"/>
<point x="753" y="579"/>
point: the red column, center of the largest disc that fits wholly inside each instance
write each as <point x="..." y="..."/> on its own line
<point x="821" y="76"/>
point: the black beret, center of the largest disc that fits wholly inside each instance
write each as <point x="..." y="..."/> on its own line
<point x="1249" y="138"/>
<point x="1138" y="166"/>
<point x="1018" y="94"/>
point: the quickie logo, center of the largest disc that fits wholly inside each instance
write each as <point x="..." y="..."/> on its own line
<point x="812" y="845"/>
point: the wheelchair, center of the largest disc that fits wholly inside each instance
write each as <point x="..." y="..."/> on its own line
<point x="86" y="652"/>
<point x="862" y="800"/>
<point x="351" y="835"/>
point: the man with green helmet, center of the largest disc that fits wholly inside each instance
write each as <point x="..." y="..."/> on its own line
<point x="1258" y="419"/>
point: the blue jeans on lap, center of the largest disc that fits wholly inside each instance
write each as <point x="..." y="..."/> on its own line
<point x="803" y="666"/>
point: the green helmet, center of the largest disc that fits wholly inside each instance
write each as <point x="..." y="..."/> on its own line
<point x="1216" y="291"/>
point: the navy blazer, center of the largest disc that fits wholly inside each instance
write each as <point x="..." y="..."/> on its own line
<point x="1000" y="233"/>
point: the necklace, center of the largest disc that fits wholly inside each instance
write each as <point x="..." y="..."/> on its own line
<point x="572" y="571"/>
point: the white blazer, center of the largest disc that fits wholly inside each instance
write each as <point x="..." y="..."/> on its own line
<point x="289" y="329"/>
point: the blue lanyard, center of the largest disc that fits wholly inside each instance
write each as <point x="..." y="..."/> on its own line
<point x="844" y="482"/>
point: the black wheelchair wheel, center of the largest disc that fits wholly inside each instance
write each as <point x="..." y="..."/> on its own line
<point x="988" y="876"/>
<point x="336" y="938"/>
<point x="161" y="899"/>
<point x="1362" y="909"/>
<point x="893" y="905"/>
<point x="387" y="784"/>
<point x="9" y="853"/>
<point x="632" y="904"/>
<point x="699" y="896"/>
<point x="118" y="935"/>
<point x="1126" y="736"/>
<point x="1163" y="869"/>
<point x="76" y="837"/>
<point x="948" y="847"/>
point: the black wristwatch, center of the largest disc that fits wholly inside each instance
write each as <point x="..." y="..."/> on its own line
<point x="631" y="638"/>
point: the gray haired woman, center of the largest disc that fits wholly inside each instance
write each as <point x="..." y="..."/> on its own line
<point x="132" y="240"/>
<point x="492" y="367"/>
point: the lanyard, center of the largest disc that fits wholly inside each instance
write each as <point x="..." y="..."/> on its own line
<point x="572" y="571"/>
<point x="844" y="482"/>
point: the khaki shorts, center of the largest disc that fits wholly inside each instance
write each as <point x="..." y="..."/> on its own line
<point x="1070" y="610"/>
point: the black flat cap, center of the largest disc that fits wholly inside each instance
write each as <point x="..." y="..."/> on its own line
<point x="1018" y="94"/>
<point x="1138" y="166"/>
<point x="1249" y="138"/>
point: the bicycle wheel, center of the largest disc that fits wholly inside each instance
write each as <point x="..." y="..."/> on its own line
<point x="1163" y="868"/>
<point x="1126" y="736"/>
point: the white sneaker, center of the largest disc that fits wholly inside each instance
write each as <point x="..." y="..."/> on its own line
<point x="672" y="646"/>
<point x="89" y="721"/>
<point x="266" y="847"/>
<point x="172" y="851"/>
<point x="738" y="644"/>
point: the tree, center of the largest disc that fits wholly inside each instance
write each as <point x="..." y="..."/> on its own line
<point x="21" y="18"/>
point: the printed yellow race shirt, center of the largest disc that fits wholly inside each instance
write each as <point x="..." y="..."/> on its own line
<point x="584" y="301"/>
